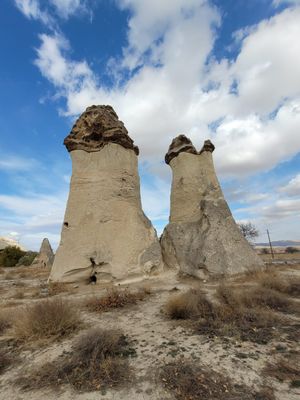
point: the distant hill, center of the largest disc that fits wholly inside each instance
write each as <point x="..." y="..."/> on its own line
<point x="281" y="243"/>
<point x="5" y="242"/>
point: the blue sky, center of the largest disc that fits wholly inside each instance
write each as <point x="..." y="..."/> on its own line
<point x="227" y="70"/>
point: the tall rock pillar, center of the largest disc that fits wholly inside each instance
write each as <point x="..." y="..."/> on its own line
<point x="104" y="229"/>
<point x="202" y="238"/>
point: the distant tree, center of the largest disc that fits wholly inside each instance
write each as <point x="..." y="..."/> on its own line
<point x="27" y="259"/>
<point x="248" y="230"/>
<point x="10" y="256"/>
<point x="291" y="250"/>
<point x="264" y="250"/>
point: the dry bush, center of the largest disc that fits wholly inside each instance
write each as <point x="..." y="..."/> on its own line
<point x="55" y="288"/>
<point x="230" y="317"/>
<point x="5" y="322"/>
<point x="97" y="361"/>
<point x="46" y="319"/>
<point x="19" y="294"/>
<point x="189" y="381"/>
<point x="2" y="271"/>
<point x="114" y="298"/>
<point x="187" y="305"/>
<point x="284" y="370"/>
<point x="254" y="297"/>
<point x="5" y="360"/>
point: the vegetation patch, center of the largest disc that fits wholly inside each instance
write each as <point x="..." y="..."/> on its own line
<point x="97" y="361"/>
<point x="5" y="360"/>
<point x="189" y="381"/>
<point x="10" y="256"/>
<point x="115" y="298"/>
<point x="228" y="317"/>
<point x="46" y="319"/>
<point x="5" y="322"/>
<point x="284" y="370"/>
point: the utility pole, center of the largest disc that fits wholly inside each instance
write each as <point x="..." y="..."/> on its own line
<point x="271" y="248"/>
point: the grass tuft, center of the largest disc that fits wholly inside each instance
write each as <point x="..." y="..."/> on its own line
<point x="284" y="370"/>
<point x="97" y="362"/>
<point x="46" y="319"/>
<point x="114" y="298"/>
<point x="189" y="381"/>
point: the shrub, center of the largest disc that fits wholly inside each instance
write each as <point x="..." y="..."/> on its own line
<point x="189" y="381"/>
<point x="46" y="319"/>
<point x="5" y="360"/>
<point x="284" y="370"/>
<point x="27" y="259"/>
<point x="291" y="250"/>
<point x="97" y="361"/>
<point x="114" y="298"/>
<point x="191" y="304"/>
<point x="10" y="256"/>
<point x="5" y="323"/>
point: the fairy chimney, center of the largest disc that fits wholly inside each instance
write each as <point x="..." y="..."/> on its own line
<point x="105" y="230"/>
<point x="202" y="238"/>
<point x="45" y="256"/>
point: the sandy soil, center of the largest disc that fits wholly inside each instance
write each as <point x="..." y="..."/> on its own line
<point x="156" y="340"/>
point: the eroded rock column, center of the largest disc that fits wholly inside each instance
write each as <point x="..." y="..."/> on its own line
<point x="104" y="230"/>
<point x="202" y="237"/>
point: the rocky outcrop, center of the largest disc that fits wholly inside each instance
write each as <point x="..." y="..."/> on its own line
<point x="7" y="242"/>
<point x="105" y="231"/>
<point x="45" y="256"/>
<point x="202" y="238"/>
<point x="98" y="126"/>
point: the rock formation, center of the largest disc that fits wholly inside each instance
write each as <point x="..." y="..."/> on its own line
<point x="202" y="237"/>
<point x="105" y="230"/>
<point x="45" y="256"/>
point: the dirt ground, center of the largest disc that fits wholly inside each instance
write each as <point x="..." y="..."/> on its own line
<point x="156" y="339"/>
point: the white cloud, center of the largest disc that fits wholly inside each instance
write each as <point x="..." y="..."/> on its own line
<point x="12" y="163"/>
<point x="293" y="187"/>
<point x="277" y="3"/>
<point x="167" y="95"/>
<point x="46" y="11"/>
<point x="32" y="217"/>
<point x="31" y="9"/>
<point x="66" y="8"/>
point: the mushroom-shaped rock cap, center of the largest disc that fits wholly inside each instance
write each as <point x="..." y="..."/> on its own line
<point x="207" y="146"/>
<point x="96" y="127"/>
<point x="180" y="144"/>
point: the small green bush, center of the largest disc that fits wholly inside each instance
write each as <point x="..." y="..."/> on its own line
<point x="27" y="259"/>
<point x="291" y="250"/>
<point x="10" y="256"/>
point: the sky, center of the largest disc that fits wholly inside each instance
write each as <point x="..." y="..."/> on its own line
<point x="227" y="70"/>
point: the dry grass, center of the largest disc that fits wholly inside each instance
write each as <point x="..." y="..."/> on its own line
<point x="5" y="360"/>
<point x="114" y="298"/>
<point x="46" y="319"/>
<point x="55" y="288"/>
<point x="5" y="322"/>
<point x="98" y="361"/>
<point x="256" y="296"/>
<point x="229" y="317"/>
<point x="187" y="305"/>
<point x="19" y="294"/>
<point x="284" y="370"/>
<point x="189" y="381"/>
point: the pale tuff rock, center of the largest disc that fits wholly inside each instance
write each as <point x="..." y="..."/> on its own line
<point x="45" y="256"/>
<point x="202" y="237"/>
<point x="105" y="230"/>
<point x="6" y="242"/>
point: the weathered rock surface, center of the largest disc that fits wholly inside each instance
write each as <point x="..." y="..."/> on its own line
<point x="202" y="237"/>
<point x="104" y="229"/>
<point x="98" y="126"/>
<point x="6" y="242"/>
<point x="45" y="256"/>
<point x="180" y="144"/>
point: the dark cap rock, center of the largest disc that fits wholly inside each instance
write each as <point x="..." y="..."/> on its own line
<point x="207" y="146"/>
<point x="180" y="144"/>
<point x="96" y="127"/>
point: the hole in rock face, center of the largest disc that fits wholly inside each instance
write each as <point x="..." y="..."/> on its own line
<point x="92" y="261"/>
<point x="66" y="224"/>
<point x="93" y="278"/>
